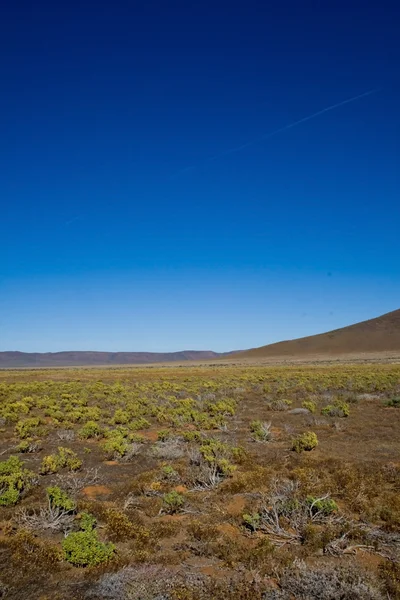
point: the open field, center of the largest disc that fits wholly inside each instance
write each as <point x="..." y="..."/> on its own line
<point x="195" y="482"/>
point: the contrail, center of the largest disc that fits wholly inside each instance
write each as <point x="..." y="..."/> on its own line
<point x="285" y="128"/>
<point x="295" y="123"/>
<point x="67" y="223"/>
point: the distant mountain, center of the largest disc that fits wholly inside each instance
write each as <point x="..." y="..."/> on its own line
<point x="87" y="358"/>
<point x="375" y="335"/>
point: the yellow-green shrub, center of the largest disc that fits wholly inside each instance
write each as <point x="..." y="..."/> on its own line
<point x="91" y="429"/>
<point x="14" y="479"/>
<point x="63" y="458"/>
<point x="306" y="441"/>
<point x="24" y="428"/>
<point x="309" y="405"/>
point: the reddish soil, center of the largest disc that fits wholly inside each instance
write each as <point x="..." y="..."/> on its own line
<point x="92" y="491"/>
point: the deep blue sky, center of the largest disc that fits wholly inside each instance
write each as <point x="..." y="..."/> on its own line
<point x="119" y="228"/>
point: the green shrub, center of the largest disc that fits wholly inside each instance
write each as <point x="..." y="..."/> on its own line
<point x="168" y="472"/>
<point x="173" y="502"/>
<point x="116" y="445"/>
<point x="50" y="464"/>
<point x="218" y="455"/>
<point x="14" y="479"/>
<point x="64" y="458"/>
<point x="325" y="506"/>
<point x="394" y="402"/>
<point x="252" y="521"/>
<point x="211" y="449"/>
<point x="87" y="522"/>
<point x="26" y="427"/>
<point x="136" y="438"/>
<point x="309" y="405"/>
<point x="84" y="549"/>
<point x="91" y="429"/>
<point x="23" y="446"/>
<point x="223" y="407"/>
<point x="140" y="423"/>
<point x="338" y="409"/>
<point x="261" y="431"/>
<point x="59" y="499"/>
<point x="192" y="436"/>
<point x="163" y="435"/>
<point x="121" y="417"/>
<point x="11" y="412"/>
<point x="306" y="441"/>
<point x="27" y="446"/>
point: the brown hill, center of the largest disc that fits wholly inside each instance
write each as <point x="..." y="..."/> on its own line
<point x="373" y="336"/>
<point x="87" y="358"/>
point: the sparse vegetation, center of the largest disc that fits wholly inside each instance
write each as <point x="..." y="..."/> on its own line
<point x="125" y="476"/>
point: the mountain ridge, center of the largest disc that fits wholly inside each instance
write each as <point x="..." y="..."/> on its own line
<point x="71" y="358"/>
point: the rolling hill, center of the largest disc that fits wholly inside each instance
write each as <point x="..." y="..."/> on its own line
<point x="378" y="335"/>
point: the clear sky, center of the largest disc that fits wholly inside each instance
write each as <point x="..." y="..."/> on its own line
<point x="131" y="216"/>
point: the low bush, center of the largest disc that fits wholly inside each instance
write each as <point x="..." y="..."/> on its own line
<point x="28" y="551"/>
<point x="14" y="480"/>
<point x="119" y="526"/>
<point x="83" y="548"/>
<point x="324" y="506"/>
<point x="87" y="522"/>
<point x="279" y="404"/>
<point x="26" y="427"/>
<point x="252" y="521"/>
<point x="138" y="424"/>
<point x="338" y="409"/>
<point x="193" y="436"/>
<point x="261" y="432"/>
<point x="173" y="502"/>
<point x="91" y="429"/>
<point x="306" y="441"/>
<point x="394" y="402"/>
<point x="121" y="417"/>
<point x="309" y="405"/>
<point x="59" y="499"/>
<point x="163" y="435"/>
<point x="116" y="443"/>
<point x="64" y="458"/>
<point x="28" y="446"/>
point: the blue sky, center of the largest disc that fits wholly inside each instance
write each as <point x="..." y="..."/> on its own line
<point x="128" y="224"/>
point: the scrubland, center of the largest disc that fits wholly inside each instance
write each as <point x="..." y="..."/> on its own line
<point x="198" y="482"/>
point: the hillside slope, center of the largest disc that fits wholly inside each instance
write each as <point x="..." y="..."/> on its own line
<point x="381" y="334"/>
<point x="86" y="358"/>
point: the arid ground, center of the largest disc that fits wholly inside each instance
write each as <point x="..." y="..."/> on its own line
<point x="196" y="482"/>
